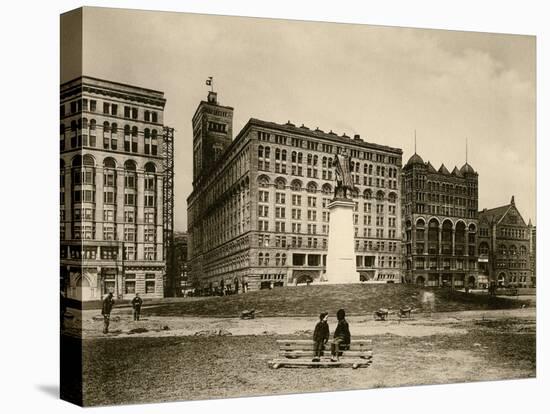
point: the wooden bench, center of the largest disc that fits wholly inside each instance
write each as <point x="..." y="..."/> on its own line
<point x="300" y="352"/>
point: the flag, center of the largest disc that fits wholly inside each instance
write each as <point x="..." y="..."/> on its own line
<point x="209" y="81"/>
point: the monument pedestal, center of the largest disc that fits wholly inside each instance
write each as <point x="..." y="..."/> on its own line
<point x="341" y="267"/>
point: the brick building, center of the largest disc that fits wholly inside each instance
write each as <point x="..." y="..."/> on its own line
<point x="439" y="224"/>
<point x="111" y="212"/>
<point x="258" y="211"/>
<point x="506" y="247"/>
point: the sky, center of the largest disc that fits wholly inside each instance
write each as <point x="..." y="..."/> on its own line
<point x="380" y="82"/>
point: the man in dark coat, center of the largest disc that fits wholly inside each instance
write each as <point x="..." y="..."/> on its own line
<point x="342" y="336"/>
<point x="106" y="308"/>
<point x="321" y="335"/>
<point x="136" y="304"/>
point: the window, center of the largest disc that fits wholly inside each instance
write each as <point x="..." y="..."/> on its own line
<point x="134" y="113"/>
<point x="129" y="234"/>
<point x="126" y="112"/>
<point x="93" y="105"/>
<point x="130" y="283"/>
<point x="106" y="108"/>
<point x="149" y="234"/>
<point x="149" y="286"/>
<point x="155" y="117"/>
<point x="109" y="197"/>
<point x="129" y="252"/>
<point x="149" y="252"/>
<point x="130" y="199"/>
<point x="149" y="217"/>
<point x="129" y="216"/>
<point x="108" y="232"/>
<point x="108" y="215"/>
<point x="114" y="109"/>
<point x="149" y="200"/>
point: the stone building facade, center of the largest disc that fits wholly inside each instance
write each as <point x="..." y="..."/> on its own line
<point x="440" y="224"/>
<point x="111" y="187"/>
<point x="258" y="215"/>
<point x="506" y="247"/>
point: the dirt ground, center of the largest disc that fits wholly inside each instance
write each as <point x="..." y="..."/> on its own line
<point x="175" y="358"/>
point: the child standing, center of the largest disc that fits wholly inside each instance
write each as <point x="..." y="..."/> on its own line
<point x="320" y="336"/>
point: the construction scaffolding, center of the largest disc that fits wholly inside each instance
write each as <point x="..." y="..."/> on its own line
<point x="170" y="276"/>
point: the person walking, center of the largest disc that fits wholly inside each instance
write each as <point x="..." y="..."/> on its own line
<point x="321" y="335"/>
<point x="106" y="308"/>
<point x="342" y="336"/>
<point x="136" y="304"/>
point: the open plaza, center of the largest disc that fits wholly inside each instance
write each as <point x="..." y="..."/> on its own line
<point x="198" y="348"/>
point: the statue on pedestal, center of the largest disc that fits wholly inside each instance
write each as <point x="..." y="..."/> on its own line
<point x="344" y="181"/>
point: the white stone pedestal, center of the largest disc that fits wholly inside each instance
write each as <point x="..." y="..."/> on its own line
<point x="341" y="266"/>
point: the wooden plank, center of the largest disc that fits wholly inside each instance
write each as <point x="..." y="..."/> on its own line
<point x="354" y="363"/>
<point x="326" y="348"/>
<point x="310" y="354"/>
<point x="309" y="341"/>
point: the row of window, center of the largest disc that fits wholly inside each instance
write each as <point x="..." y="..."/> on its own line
<point x="312" y="187"/>
<point x="88" y="214"/>
<point x="84" y="134"/>
<point x="84" y="104"/>
<point x="109" y="197"/>
<point x="328" y="148"/>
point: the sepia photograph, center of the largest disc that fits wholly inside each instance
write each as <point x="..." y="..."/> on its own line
<point x="261" y="206"/>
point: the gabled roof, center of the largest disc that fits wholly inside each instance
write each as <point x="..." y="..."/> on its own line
<point x="457" y="172"/>
<point x="444" y="170"/>
<point x="431" y="167"/>
<point x="497" y="214"/>
<point x="493" y="215"/>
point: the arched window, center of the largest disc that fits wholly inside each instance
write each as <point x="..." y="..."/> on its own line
<point x="130" y="177"/>
<point x="312" y="187"/>
<point x="263" y="181"/>
<point x="260" y="151"/>
<point x="283" y="155"/>
<point x="150" y="168"/>
<point x="280" y="183"/>
<point x="326" y="189"/>
<point x="392" y="198"/>
<point x="367" y="194"/>
<point x="483" y="248"/>
<point x="294" y="156"/>
<point x="296" y="185"/>
<point x="502" y="250"/>
<point x="88" y="160"/>
<point x="380" y="196"/>
<point x="114" y="128"/>
<point x="299" y="158"/>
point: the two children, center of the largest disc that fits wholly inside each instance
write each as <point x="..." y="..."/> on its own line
<point x="342" y="336"/>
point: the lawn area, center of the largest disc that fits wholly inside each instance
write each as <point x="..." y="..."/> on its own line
<point x="311" y="300"/>
<point x="135" y="370"/>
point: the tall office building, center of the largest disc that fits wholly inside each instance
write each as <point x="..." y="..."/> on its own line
<point x="440" y="224"/>
<point x="111" y="188"/>
<point x="258" y="212"/>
